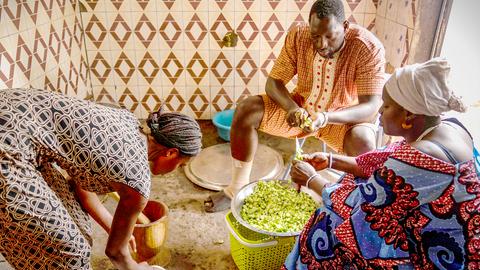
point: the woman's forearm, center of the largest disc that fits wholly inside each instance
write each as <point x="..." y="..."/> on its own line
<point x="346" y="164"/>
<point x="130" y="205"/>
<point x="92" y="204"/>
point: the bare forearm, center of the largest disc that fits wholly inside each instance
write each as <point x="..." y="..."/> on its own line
<point x="129" y="207"/>
<point x="120" y="233"/>
<point x="92" y="204"/>
<point x="363" y="112"/>
<point x="346" y="164"/>
<point x="276" y="90"/>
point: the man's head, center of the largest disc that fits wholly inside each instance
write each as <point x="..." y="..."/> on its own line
<point x="328" y="26"/>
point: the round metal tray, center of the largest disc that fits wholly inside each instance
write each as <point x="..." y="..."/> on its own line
<point x="212" y="168"/>
<point x="239" y="199"/>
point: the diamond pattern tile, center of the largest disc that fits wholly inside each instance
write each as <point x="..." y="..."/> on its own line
<point x="40" y="50"/>
<point x="117" y="3"/>
<point x="222" y="101"/>
<point x="92" y="3"/>
<point x="62" y="82"/>
<point x="175" y="101"/>
<point x="194" y="3"/>
<point x="6" y="66"/>
<point x="128" y="100"/>
<point x="198" y="102"/>
<point x="23" y="57"/>
<point x="300" y="3"/>
<point x="47" y="6"/>
<point x="221" y="3"/>
<point x="247" y="3"/>
<point x="268" y="64"/>
<point x="151" y="102"/>
<point x="73" y="78"/>
<point x="298" y="21"/>
<point x="54" y="43"/>
<point x="247" y="30"/>
<point x="100" y="68"/>
<point x="170" y="30"/>
<point x="51" y="41"/>
<point x="95" y="31"/>
<point x="104" y="97"/>
<point x="13" y="11"/>
<point x="148" y="67"/>
<point x="169" y="3"/>
<point x="142" y="3"/>
<point x="124" y="68"/>
<point x="31" y="7"/>
<point x="273" y="31"/>
<point x="172" y="68"/>
<point x="221" y="68"/>
<point x="246" y="68"/>
<point x="353" y="4"/>
<point x="145" y="31"/>
<point x="243" y="95"/>
<point x="196" y="31"/>
<point x="219" y="28"/>
<point x="120" y="31"/>
<point x="197" y="68"/>
<point x="274" y="3"/>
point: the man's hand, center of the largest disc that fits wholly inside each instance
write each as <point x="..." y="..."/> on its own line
<point x="299" y="117"/>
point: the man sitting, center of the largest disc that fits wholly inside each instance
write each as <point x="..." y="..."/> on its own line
<point x="340" y="69"/>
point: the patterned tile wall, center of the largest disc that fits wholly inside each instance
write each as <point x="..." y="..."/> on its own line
<point x="41" y="46"/>
<point x="143" y="53"/>
<point x="394" y="26"/>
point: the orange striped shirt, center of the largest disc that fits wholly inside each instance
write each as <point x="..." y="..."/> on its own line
<point x="360" y="68"/>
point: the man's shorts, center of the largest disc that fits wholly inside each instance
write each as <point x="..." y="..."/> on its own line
<point x="274" y="123"/>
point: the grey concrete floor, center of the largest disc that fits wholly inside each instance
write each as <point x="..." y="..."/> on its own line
<point x="194" y="236"/>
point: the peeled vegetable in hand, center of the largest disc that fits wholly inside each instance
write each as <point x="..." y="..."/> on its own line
<point x="298" y="154"/>
<point x="307" y="121"/>
<point x="277" y="207"/>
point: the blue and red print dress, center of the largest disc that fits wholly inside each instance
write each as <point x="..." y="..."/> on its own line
<point x="413" y="212"/>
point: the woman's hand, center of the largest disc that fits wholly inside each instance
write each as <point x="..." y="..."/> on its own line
<point x="318" y="160"/>
<point x="301" y="171"/>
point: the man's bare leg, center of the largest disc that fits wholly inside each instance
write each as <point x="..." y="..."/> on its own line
<point x="243" y="143"/>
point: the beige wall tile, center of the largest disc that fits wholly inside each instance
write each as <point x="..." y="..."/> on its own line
<point x="222" y="98"/>
<point x="392" y="9"/>
<point x="197" y="29"/>
<point x="248" y="29"/>
<point x="219" y="25"/>
<point x="222" y="69"/>
<point x="197" y="63"/>
<point x="382" y="8"/>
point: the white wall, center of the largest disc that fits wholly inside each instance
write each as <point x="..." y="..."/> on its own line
<point x="462" y="49"/>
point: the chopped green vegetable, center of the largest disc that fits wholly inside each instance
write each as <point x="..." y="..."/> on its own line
<point x="298" y="154"/>
<point x="277" y="207"/>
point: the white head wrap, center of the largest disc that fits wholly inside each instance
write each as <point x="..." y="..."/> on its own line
<point x="422" y="88"/>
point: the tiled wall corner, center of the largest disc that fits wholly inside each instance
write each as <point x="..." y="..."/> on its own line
<point x="42" y="46"/>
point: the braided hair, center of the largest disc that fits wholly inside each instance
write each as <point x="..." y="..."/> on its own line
<point x="176" y="130"/>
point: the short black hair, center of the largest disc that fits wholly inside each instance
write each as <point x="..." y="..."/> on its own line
<point x="326" y="8"/>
